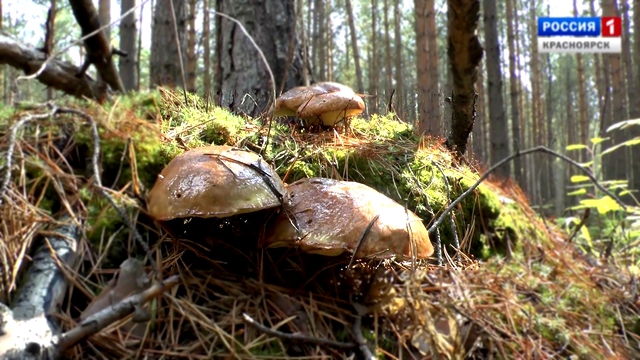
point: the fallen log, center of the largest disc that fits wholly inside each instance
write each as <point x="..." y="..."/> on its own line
<point x="27" y="329"/>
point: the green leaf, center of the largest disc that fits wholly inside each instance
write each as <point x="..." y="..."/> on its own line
<point x="603" y="205"/>
<point x="624" y="192"/>
<point x="579" y="178"/>
<point x="598" y="140"/>
<point x="632" y="142"/>
<point x="577" y="192"/>
<point x="623" y="124"/>
<point x="587" y="164"/>
<point x="576" y="147"/>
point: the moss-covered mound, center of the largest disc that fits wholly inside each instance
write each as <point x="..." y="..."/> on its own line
<point x="514" y="288"/>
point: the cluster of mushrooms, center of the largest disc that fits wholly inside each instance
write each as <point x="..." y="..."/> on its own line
<point x="215" y="194"/>
<point x="220" y="187"/>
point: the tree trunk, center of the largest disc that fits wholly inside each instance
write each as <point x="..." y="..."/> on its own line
<point x="582" y="96"/>
<point x="244" y="81"/>
<point x="373" y="60"/>
<point x="304" y="35"/>
<point x="387" y="50"/>
<point x="398" y="60"/>
<point x="631" y="87"/>
<point x="498" y="125"/>
<point x="206" y="39"/>
<point x="616" y="164"/>
<point x="636" y="56"/>
<point x="321" y="43"/>
<point x="426" y="123"/>
<point x="634" y="107"/>
<point x="192" y="59"/>
<point x="464" y="52"/>
<point x="536" y="101"/>
<point x="104" y="8"/>
<point x="329" y="41"/>
<point x="513" y="88"/>
<point x="354" y="44"/>
<point x="434" y="71"/>
<point x="165" y="55"/>
<point x="139" y="50"/>
<point x="128" y="66"/>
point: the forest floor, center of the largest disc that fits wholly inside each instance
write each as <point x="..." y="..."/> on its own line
<point x="517" y="287"/>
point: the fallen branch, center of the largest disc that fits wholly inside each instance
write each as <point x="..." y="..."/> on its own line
<point x="58" y="74"/>
<point x="297" y="337"/>
<point x="26" y="330"/>
<point x="93" y="324"/>
<point x="542" y="149"/>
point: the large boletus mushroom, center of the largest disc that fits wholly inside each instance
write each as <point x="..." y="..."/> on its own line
<point x="214" y="190"/>
<point x="333" y="217"/>
<point x="325" y="103"/>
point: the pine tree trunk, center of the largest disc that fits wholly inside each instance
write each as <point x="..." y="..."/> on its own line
<point x="513" y="86"/>
<point x="398" y="60"/>
<point x="245" y="84"/>
<point x="498" y="125"/>
<point x="329" y="41"/>
<point x="582" y="96"/>
<point x="536" y="101"/>
<point x="206" y="39"/>
<point x="165" y="59"/>
<point x="464" y="53"/>
<point x="373" y="60"/>
<point x="434" y="70"/>
<point x="354" y="45"/>
<point x="426" y="124"/>
<point x="321" y="44"/>
<point x="387" y="50"/>
<point x="617" y="161"/>
<point x="127" y="66"/>
<point x="192" y="60"/>
<point x="631" y="87"/>
<point x="634" y="107"/>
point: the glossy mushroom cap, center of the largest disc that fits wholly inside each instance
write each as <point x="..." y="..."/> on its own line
<point x="214" y="181"/>
<point x="332" y="217"/>
<point x="325" y="102"/>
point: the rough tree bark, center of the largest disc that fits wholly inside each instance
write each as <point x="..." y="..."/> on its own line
<point x="429" y="120"/>
<point x="192" y="60"/>
<point x="373" y="59"/>
<point x="206" y="39"/>
<point x="398" y="59"/>
<point x="58" y="74"/>
<point x="513" y="92"/>
<point x="616" y="166"/>
<point x="498" y="126"/>
<point x="387" y="49"/>
<point x="128" y="65"/>
<point x="354" y="44"/>
<point x="244" y="81"/>
<point x="465" y="52"/>
<point x="165" y="57"/>
<point x="321" y="31"/>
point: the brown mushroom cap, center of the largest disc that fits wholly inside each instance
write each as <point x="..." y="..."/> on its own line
<point x="289" y="102"/>
<point x="332" y="217"/>
<point x="214" y="181"/>
<point x="328" y="102"/>
<point x="332" y="107"/>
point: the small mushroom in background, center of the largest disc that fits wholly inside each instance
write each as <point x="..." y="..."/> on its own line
<point x="214" y="191"/>
<point x="325" y="103"/>
<point x="335" y="217"/>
